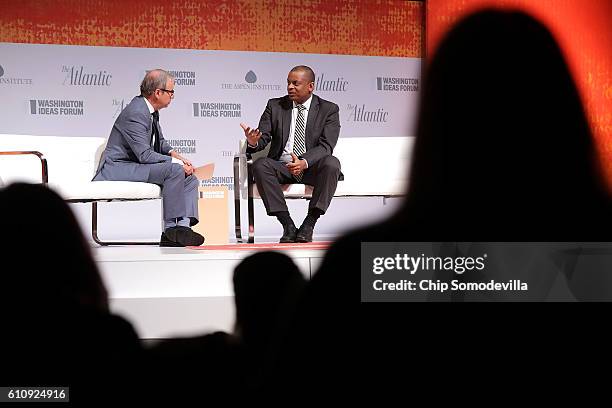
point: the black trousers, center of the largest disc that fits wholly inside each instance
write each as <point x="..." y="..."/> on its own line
<point x="270" y="174"/>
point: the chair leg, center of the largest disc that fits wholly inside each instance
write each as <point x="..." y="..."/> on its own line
<point x="94" y="231"/>
<point x="250" y="210"/>
<point x="237" y="223"/>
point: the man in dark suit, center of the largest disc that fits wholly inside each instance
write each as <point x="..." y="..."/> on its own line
<point x="137" y="151"/>
<point x="303" y="130"/>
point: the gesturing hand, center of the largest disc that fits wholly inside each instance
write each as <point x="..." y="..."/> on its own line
<point x="252" y="135"/>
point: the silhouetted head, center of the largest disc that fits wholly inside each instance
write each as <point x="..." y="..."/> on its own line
<point x="267" y="286"/>
<point x="503" y="143"/>
<point x="48" y="263"/>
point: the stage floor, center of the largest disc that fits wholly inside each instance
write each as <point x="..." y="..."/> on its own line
<point x="169" y="292"/>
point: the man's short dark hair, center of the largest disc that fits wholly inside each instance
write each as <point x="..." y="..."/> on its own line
<point x="154" y="79"/>
<point x="309" y="72"/>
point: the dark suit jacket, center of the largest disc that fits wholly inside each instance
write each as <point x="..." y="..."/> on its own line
<point x="128" y="152"/>
<point x="322" y="128"/>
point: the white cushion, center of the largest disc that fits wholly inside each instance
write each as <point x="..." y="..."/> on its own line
<point x="107" y="190"/>
<point x="290" y="191"/>
<point x="372" y="166"/>
<point x="72" y="163"/>
<point x="69" y="159"/>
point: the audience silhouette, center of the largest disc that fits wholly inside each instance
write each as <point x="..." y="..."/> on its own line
<point x="503" y="153"/>
<point x="58" y="328"/>
<point x="267" y="286"/>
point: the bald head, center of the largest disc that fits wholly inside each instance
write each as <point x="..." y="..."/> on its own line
<point x="308" y="72"/>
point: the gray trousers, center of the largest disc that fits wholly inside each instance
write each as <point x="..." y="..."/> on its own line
<point x="179" y="193"/>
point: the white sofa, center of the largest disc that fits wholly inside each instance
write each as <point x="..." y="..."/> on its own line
<point x="372" y="166"/>
<point x="67" y="164"/>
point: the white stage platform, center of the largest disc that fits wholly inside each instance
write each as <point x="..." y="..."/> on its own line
<point x="168" y="292"/>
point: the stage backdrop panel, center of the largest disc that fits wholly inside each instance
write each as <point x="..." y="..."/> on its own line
<point x="79" y="91"/>
<point x="70" y="67"/>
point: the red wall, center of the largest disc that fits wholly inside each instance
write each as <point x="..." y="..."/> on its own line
<point x="357" y="27"/>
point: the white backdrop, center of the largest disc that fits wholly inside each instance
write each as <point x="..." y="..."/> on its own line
<point x="79" y="91"/>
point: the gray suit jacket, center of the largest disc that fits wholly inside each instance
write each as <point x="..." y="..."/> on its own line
<point x="128" y="152"/>
<point x="322" y="128"/>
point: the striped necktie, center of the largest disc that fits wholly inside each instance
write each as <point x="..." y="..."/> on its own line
<point x="299" y="136"/>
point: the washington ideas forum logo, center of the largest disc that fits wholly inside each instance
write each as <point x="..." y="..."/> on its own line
<point x="78" y="76"/>
<point x="217" y="181"/>
<point x="393" y="84"/>
<point x="181" y="78"/>
<point x="184" y="78"/>
<point x="183" y="146"/>
<point x="57" y="107"/>
<point x="217" y="110"/>
<point x="13" y="81"/>
<point x="251" y="84"/>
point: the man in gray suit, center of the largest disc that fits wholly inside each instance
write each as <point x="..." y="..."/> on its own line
<point x="137" y="151"/>
<point x="303" y="130"/>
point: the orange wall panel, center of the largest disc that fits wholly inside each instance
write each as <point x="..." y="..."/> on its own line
<point x="354" y="27"/>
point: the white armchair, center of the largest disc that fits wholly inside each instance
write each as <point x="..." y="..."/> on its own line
<point x="372" y="166"/>
<point x="67" y="164"/>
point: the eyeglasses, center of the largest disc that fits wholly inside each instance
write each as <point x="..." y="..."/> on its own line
<point x="170" y="91"/>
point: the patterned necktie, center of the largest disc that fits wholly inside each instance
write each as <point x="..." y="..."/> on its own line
<point x="155" y="132"/>
<point x="299" y="136"/>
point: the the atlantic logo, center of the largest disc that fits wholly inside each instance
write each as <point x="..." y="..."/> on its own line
<point x="338" y="84"/>
<point x="56" y="107"/>
<point x="77" y="76"/>
<point x="217" y="110"/>
<point x="13" y="81"/>
<point x="397" y="84"/>
<point x="251" y="84"/>
<point x="360" y="113"/>
<point x="183" y="146"/>
<point x="118" y="105"/>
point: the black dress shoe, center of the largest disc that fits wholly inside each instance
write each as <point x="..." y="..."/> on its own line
<point x="164" y="241"/>
<point x="180" y="237"/>
<point x="288" y="234"/>
<point x="304" y="234"/>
